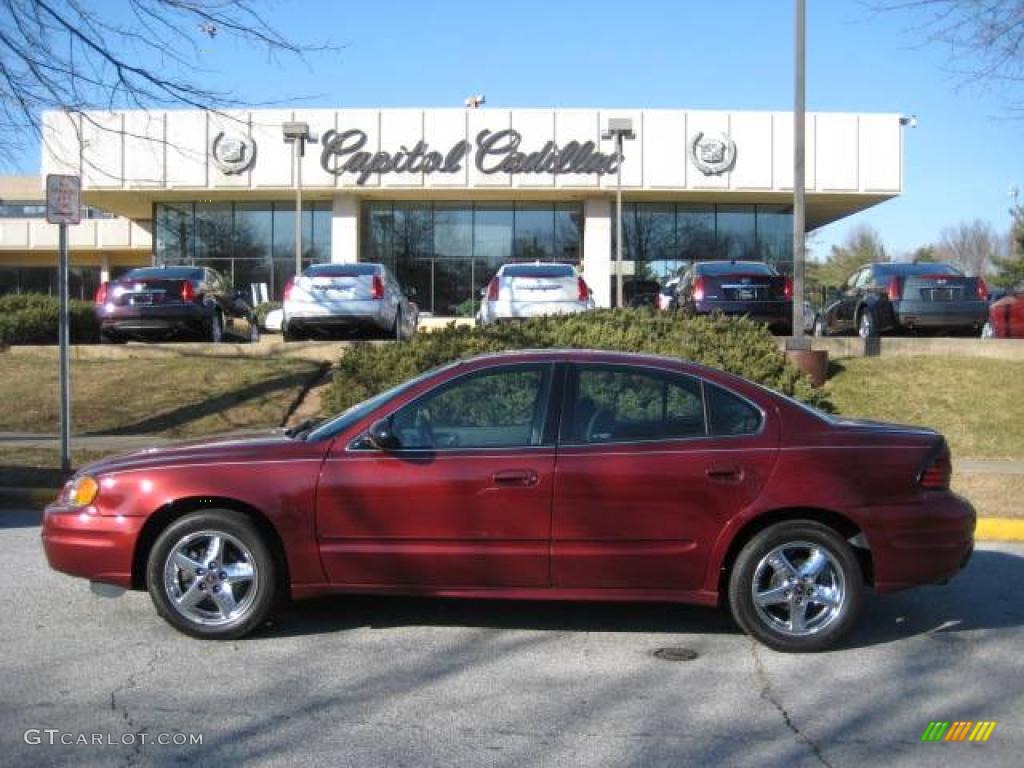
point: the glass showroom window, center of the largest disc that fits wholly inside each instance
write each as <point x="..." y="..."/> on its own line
<point x="250" y="243"/>
<point x="448" y="251"/>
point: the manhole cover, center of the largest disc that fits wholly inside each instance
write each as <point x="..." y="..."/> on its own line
<point x="676" y="654"/>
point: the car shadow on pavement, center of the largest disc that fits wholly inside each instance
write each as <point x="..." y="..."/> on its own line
<point x="969" y="602"/>
<point x="337" y="614"/>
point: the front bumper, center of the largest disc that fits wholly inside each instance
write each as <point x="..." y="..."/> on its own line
<point x="914" y="545"/>
<point x="91" y="546"/>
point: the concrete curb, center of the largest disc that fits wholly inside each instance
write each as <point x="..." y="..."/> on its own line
<point x="989" y="528"/>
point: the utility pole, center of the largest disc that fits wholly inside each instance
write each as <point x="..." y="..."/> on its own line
<point x="799" y="122"/>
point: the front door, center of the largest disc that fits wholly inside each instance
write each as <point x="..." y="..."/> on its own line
<point x="648" y="474"/>
<point x="464" y="502"/>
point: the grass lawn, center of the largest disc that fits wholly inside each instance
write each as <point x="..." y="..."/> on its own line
<point x="977" y="403"/>
<point x="179" y="397"/>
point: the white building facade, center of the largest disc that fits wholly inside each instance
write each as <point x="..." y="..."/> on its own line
<point x="445" y="196"/>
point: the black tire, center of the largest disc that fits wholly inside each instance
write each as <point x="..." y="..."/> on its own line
<point x="215" y="328"/>
<point x="290" y="333"/>
<point x="396" y="333"/>
<point x="242" y="544"/>
<point x="840" y="580"/>
<point x="867" y="326"/>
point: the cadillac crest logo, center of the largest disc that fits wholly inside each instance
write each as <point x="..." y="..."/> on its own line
<point x="233" y="153"/>
<point x="712" y="155"/>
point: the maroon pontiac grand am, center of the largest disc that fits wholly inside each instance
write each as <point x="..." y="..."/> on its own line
<point x="566" y="475"/>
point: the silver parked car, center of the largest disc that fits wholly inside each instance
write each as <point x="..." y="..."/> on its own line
<point x="347" y="297"/>
<point x="531" y="290"/>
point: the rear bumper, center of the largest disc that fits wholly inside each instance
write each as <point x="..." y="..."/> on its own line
<point x="920" y="544"/>
<point x="521" y="310"/>
<point x="926" y="314"/>
<point x="770" y="312"/>
<point x="338" y="314"/>
<point x="176" y="317"/>
<point x="95" y="547"/>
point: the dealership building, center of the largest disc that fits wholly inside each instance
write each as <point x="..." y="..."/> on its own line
<point x="441" y="196"/>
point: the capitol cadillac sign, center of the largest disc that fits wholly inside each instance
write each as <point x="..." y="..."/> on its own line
<point x="492" y="152"/>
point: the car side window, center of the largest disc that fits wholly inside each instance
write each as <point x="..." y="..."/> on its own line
<point x="864" y="278"/>
<point x="729" y="414"/>
<point x="614" y="404"/>
<point x="502" y="408"/>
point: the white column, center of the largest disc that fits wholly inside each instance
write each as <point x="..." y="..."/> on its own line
<point x="104" y="267"/>
<point x="597" y="248"/>
<point x="345" y="229"/>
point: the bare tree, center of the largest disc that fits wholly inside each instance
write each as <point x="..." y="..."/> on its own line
<point x="80" y="55"/>
<point x="985" y="37"/>
<point x="971" y="246"/>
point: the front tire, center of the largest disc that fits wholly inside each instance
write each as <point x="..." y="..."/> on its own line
<point x="819" y="328"/>
<point x="796" y="586"/>
<point x="211" y="575"/>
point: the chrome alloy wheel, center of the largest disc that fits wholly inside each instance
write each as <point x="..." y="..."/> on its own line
<point x="210" y="578"/>
<point x="798" y="589"/>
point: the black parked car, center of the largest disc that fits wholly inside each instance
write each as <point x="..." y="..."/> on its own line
<point x="168" y="301"/>
<point x="881" y="298"/>
<point x="750" y="288"/>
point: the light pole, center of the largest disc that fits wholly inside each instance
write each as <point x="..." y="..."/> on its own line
<point x="297" y="134"/>
<point x="619" y="128"/>
<point x="799" y="110"/>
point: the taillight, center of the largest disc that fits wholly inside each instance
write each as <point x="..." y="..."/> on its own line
<point x="787" y="288"/>
<point x="188" y="293"/>
<point x="982" y="289"/>
<point x="378" y="287"/>
<point x="698" y="289"/>
<point x="936" y="473"/>
<point x="584" y="290"/>
<point x="492" y="289"/>
<point x="288" y="288"/>
<point x="101" y="294"/>
<point x="895" y="290"/>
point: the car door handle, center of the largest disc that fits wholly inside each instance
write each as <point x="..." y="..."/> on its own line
<point x="515" y="477"/>
<point x="724" y="474"/>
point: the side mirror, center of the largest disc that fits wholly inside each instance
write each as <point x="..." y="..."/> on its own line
<point x="381" y="436"/>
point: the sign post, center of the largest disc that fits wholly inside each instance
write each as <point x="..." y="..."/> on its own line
<point x="63" y="207"/>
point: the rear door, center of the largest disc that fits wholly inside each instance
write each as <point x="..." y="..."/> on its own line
<point x="651" y="464"/>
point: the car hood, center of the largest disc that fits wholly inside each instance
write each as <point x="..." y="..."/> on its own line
<point x="240" y="446"/>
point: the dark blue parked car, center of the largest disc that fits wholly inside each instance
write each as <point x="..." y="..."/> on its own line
<point x="750" y="288"/>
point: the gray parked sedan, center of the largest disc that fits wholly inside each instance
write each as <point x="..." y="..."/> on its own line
<point x="347" y="297"/>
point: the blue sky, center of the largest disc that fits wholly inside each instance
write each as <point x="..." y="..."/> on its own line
<point x="720" y="54"/>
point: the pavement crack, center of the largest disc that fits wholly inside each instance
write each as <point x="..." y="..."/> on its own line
<point x="766" y="693"/>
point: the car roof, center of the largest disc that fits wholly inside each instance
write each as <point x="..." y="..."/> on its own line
<point x="591" y="356"/>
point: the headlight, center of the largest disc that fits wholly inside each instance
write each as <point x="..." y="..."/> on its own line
<point x="82" y="491"/>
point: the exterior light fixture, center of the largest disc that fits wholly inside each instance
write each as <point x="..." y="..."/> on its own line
<point x="297" y="134"/>
<point x="617" y="130"/>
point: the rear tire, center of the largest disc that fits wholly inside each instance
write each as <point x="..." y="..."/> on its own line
<point x="797" y="586"/>
<point x="289" y="333"/>
<point x="988" y="330"/>
<point x="867" y="328"/>
<point x="223" y="602"/>
<point x="819" y="329"/>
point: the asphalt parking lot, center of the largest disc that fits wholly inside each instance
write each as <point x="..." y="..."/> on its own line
<point x="366" y="682"/>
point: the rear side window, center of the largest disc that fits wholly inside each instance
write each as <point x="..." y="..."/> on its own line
<point x="615" y="404"/>
<point x="538" y="270"/>
<point x="729" y="414"/>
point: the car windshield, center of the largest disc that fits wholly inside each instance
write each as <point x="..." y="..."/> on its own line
<point x="341" y="270"/>
<point x="164" y="273"/>
<point x="538" y="270"/>
<point x="883" y="271"/>
<point x="716" y="268"/>
<point x="347" y="418"/>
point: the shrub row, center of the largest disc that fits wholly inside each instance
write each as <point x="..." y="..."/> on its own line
<point x="32" y="318"/>
<point x="736" y="345"/>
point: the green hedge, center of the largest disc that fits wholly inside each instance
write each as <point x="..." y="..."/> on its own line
<point x="31" y="318"/>
<point x="737" y="345"/>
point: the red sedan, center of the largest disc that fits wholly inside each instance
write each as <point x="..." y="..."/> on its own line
<point x="566" y="475"/>
<point x="1006" y="317"/>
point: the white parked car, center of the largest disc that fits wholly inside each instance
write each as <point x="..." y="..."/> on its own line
<point x="531" y="290"/>
<point x="347" y="297"/>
